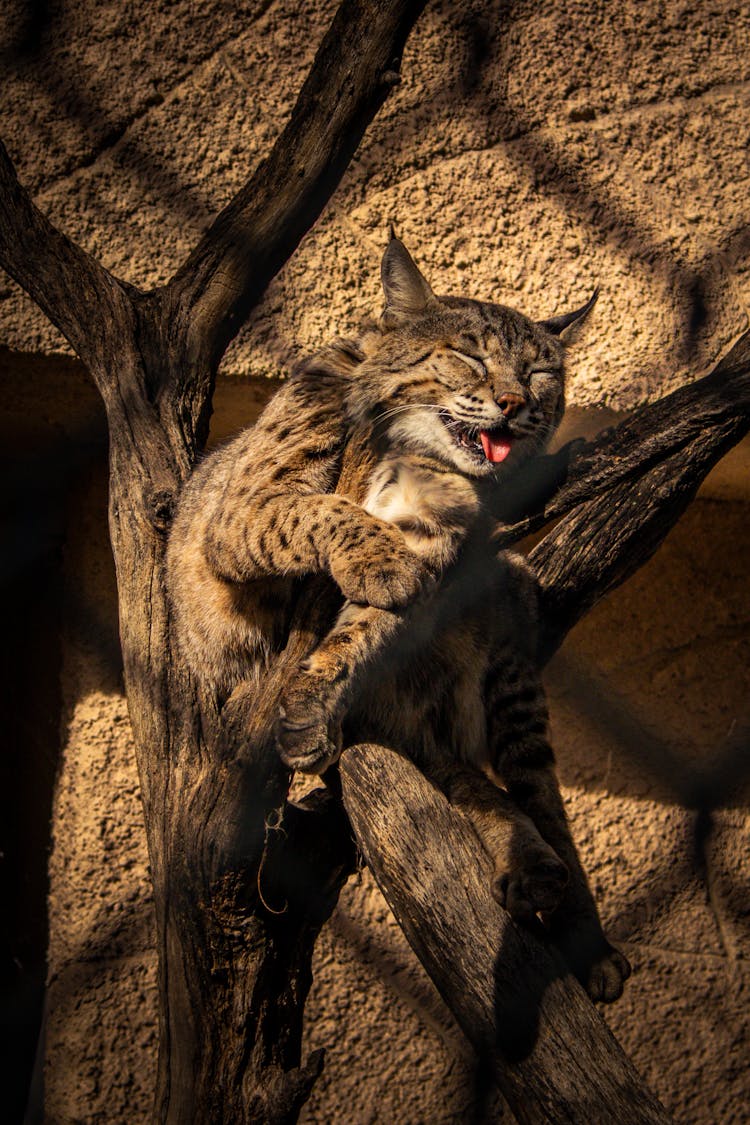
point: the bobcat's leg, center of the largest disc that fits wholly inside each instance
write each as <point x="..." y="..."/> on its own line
<point x="308" y="735"/>
<point x="314" y="703"/>
<point x="521" y="755"/>
<point x="528" y="771"/>
<point x="529" y="877"/>
<point x="305" y="533"/>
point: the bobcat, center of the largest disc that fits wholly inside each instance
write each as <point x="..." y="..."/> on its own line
<point x="379" y="463"/>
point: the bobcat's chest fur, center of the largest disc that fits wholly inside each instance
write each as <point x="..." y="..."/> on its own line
<point x="423" y="500"/>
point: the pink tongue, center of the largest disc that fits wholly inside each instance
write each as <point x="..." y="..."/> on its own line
<point x="495" y="449"/>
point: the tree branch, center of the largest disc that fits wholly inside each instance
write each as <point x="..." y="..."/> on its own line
<point x="228" y="971"/>
<point x="532" y="1025"/>
<point x="354" y="70"/>
<point x="198" y="313"/>
<point x="629" y="488"/>
<point x="77" y="294"/>
<point x="233" y="975"/>
<point x="618" y="498"/>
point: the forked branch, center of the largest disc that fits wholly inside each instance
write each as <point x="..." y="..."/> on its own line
<point x="154" y="356"/>
<point x="203" y="307"/>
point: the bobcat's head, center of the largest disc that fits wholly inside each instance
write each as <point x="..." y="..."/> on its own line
<point x="477" y="385"/>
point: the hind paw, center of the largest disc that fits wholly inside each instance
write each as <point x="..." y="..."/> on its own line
<point x="308" y="738"/>
<point x="607" y="975"/>
<point x="534" y="885"/>
<point x="601" y="969"/>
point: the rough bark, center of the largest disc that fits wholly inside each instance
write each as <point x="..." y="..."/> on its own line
<point x="531" y="1024"/>
<point x="619" y="517"/>
<point x="615" y="498"/>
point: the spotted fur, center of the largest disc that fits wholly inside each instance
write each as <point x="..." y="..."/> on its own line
<point x="376" y="464"/>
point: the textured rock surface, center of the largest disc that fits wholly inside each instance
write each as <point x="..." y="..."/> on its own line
<point x="527" y="155"/>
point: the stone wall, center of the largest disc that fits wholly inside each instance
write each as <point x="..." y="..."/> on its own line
<point x="528" y="155"/>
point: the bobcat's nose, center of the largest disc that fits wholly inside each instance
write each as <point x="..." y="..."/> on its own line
<point x="510" y="404"/>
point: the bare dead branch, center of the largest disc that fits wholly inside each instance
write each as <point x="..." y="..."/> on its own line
<point x="77" y="294"/>
<point x="629" y="488"/>
<point x="532" y="1025"/>
<point x="355" y="68"/>
<point x="228" y="969"/>
<point x="205" y="304"/>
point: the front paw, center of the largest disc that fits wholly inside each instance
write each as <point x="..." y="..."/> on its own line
<point x="534" y="884"/>
<point x="600" y="968"/>
<point x="386" y="575"/>
<point x="308" y="738"/>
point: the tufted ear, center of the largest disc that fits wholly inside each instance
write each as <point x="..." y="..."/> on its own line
<point x="407" y="294"/>
<point x="567" y="325"/>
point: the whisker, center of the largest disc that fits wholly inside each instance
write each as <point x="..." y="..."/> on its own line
<point x="409" y="406"/>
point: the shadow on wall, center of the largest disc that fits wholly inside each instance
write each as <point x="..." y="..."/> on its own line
<point x="483" y="53"/>
<point x="40" y="471"/>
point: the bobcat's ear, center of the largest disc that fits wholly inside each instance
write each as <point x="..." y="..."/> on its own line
<point x="407" y="294"/>
<point x="567" y="325"/>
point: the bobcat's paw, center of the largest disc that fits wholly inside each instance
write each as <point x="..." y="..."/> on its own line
<point x="601" y="969"/>
<point x="535" y="884"/>
<point x="383" y="573"/>
<point x="308" y="739"/>
<point x="607" y="975"/>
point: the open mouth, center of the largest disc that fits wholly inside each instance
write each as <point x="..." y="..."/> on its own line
<point x="484" y="445"/>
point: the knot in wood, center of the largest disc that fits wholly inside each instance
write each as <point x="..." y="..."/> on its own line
<point x="391" y="77"/>
<point x="159" y="505"/>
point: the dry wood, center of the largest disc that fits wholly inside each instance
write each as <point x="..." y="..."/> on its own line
<point x="629" y="488"/>
<point x="615" y="498"/>
<point x="532" y="1025"/>
<point x="619" y="495"/>
<point x="356" y="67"/>
<point x="76" y="293"/>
